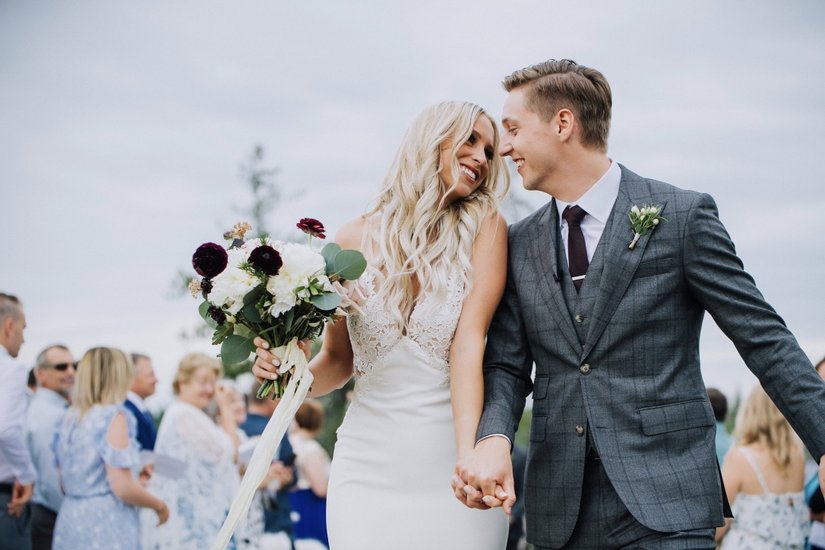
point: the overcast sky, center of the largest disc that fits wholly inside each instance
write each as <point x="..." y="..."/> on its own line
<point x="124" y="125"/>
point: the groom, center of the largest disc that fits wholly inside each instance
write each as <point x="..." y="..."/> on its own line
<point x="622" y="436"/>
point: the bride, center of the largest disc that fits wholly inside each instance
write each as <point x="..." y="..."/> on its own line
<point x="437" y="253"/>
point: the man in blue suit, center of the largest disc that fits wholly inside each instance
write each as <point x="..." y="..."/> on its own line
<point x="143" y="386"/>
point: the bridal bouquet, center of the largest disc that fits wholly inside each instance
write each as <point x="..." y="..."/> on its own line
<point x="282" y="292"/>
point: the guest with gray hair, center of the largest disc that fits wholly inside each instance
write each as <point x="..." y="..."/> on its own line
<point x="55" y="372"/>
<point x="17" y="474"/>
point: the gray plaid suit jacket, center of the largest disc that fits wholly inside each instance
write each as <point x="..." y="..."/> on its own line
<point x="642" y="399"/>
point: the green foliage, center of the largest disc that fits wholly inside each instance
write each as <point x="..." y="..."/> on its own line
<point x="349" y="264"/>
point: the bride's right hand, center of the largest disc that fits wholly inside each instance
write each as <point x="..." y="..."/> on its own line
<point x="266" y="364"/>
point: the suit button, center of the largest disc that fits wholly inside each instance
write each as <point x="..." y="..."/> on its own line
<point x="579" y="318"/>
<point x="579" y="430"/>
<point x="585" y="369"/>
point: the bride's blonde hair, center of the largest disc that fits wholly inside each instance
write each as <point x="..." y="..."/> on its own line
<point x="416" y="235"/>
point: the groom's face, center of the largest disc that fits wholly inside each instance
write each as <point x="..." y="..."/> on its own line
<point x="531" y="142"/>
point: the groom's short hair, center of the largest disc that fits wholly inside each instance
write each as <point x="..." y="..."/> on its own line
<point x="564" y="84"/>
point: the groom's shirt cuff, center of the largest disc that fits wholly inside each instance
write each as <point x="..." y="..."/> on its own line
<point x="496" y="435"/>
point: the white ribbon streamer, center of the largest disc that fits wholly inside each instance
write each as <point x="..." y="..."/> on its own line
<point x="295" y="393"/>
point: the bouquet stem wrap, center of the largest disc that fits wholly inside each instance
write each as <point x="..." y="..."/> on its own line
<point x="294" y="394"/>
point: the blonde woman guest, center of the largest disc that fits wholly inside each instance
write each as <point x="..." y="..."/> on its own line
<point x="98" y="460"/>
<point x="200" y="496"/>
<point x="437" y="252"/>
<point x="763" y="475"/>
<point x="309" y="498"/>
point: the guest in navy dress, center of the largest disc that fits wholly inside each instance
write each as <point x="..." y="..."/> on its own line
<point x="98" y="460"/>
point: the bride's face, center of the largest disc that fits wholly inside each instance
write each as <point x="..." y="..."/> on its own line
<point x="199" y="390"/>
<point x="473" y="158"/>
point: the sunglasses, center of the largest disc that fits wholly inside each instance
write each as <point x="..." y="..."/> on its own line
<point x="64" y="366"/>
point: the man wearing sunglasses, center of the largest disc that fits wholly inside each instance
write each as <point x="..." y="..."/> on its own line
<point x="55" y="371"/>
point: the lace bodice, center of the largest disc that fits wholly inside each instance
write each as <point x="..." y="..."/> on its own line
<point x="374" y="331"/>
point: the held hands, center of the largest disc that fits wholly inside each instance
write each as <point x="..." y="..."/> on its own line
<point x="484" y="476"/>
<point x="266" y="365"/>
<point x="19" y="498"/>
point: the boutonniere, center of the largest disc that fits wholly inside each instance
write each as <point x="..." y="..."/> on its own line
<point x="644" y="219"/>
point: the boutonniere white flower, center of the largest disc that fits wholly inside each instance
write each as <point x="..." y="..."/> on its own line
<point x="644" y="219"/>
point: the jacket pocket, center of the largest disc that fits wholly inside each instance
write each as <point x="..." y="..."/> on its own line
<point x="653" y="267"/>
<point x="673" y="417"/>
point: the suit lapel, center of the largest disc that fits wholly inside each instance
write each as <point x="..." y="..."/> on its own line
<point x="620" y="262"/>
<point x="543" y="244"/>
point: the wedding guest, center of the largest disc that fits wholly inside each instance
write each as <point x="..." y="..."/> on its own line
<point x="17" y="473"/>
<point x="719" y="404"/>
<point x="309" y="497"/>
<point x="55" y="373"/>
<point x="763" y="475"/>
<point x="143" y="385"/>
<point x="200" y="496"/>
<point x="278" y="531"/>
<point x="98" y="460"/>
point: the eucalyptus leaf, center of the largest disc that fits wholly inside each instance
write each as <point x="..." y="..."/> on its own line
<point x="203" y="310"/>
<point x="250" y="311"/>
<point x="236" y="349"/>
<point x="254" y="295"/>
<point x="328" y="252"/>
<point x="326" y="301"/>
<point x="349" y="264"/>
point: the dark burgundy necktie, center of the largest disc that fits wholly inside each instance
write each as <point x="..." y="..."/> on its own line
<point x="576" y="249"/>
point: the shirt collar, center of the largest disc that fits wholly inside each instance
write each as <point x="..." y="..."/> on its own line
<point x="136" y="399"/>
<point x="599" y="200"/>
<point x="52" y="396"/>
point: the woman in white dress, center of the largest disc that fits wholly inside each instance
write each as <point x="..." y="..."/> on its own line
<point x="764" y="473"/>
<point x="200" y="496"/>
<point x="437" y="251"/>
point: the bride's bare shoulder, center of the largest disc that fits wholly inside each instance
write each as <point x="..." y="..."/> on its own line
<point x="351" y="233"/>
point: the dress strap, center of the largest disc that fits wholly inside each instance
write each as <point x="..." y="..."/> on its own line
<point x="749" y="456"/>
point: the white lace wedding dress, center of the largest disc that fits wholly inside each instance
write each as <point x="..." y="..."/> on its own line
<point x="395" y="455"/>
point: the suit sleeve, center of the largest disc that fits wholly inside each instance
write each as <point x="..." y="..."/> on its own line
<point x="717" y="279"/>
<point x="507" y="364"/>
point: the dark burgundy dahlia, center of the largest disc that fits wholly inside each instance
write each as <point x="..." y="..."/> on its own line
<point x="266" y="259"/>
<point x="312" y="227"/>
<point x="209" y="260"/>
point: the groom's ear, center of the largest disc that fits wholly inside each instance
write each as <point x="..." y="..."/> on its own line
<point x="565" y="124"/>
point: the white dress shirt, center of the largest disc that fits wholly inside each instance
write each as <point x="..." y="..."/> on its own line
<point x="15" y="463"/>
<point x="598" y="203"/>
<point x="137" y="401"/>
<point x="46" y="410"/>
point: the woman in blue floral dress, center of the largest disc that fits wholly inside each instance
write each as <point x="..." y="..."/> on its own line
<point x="98" y="460"/>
